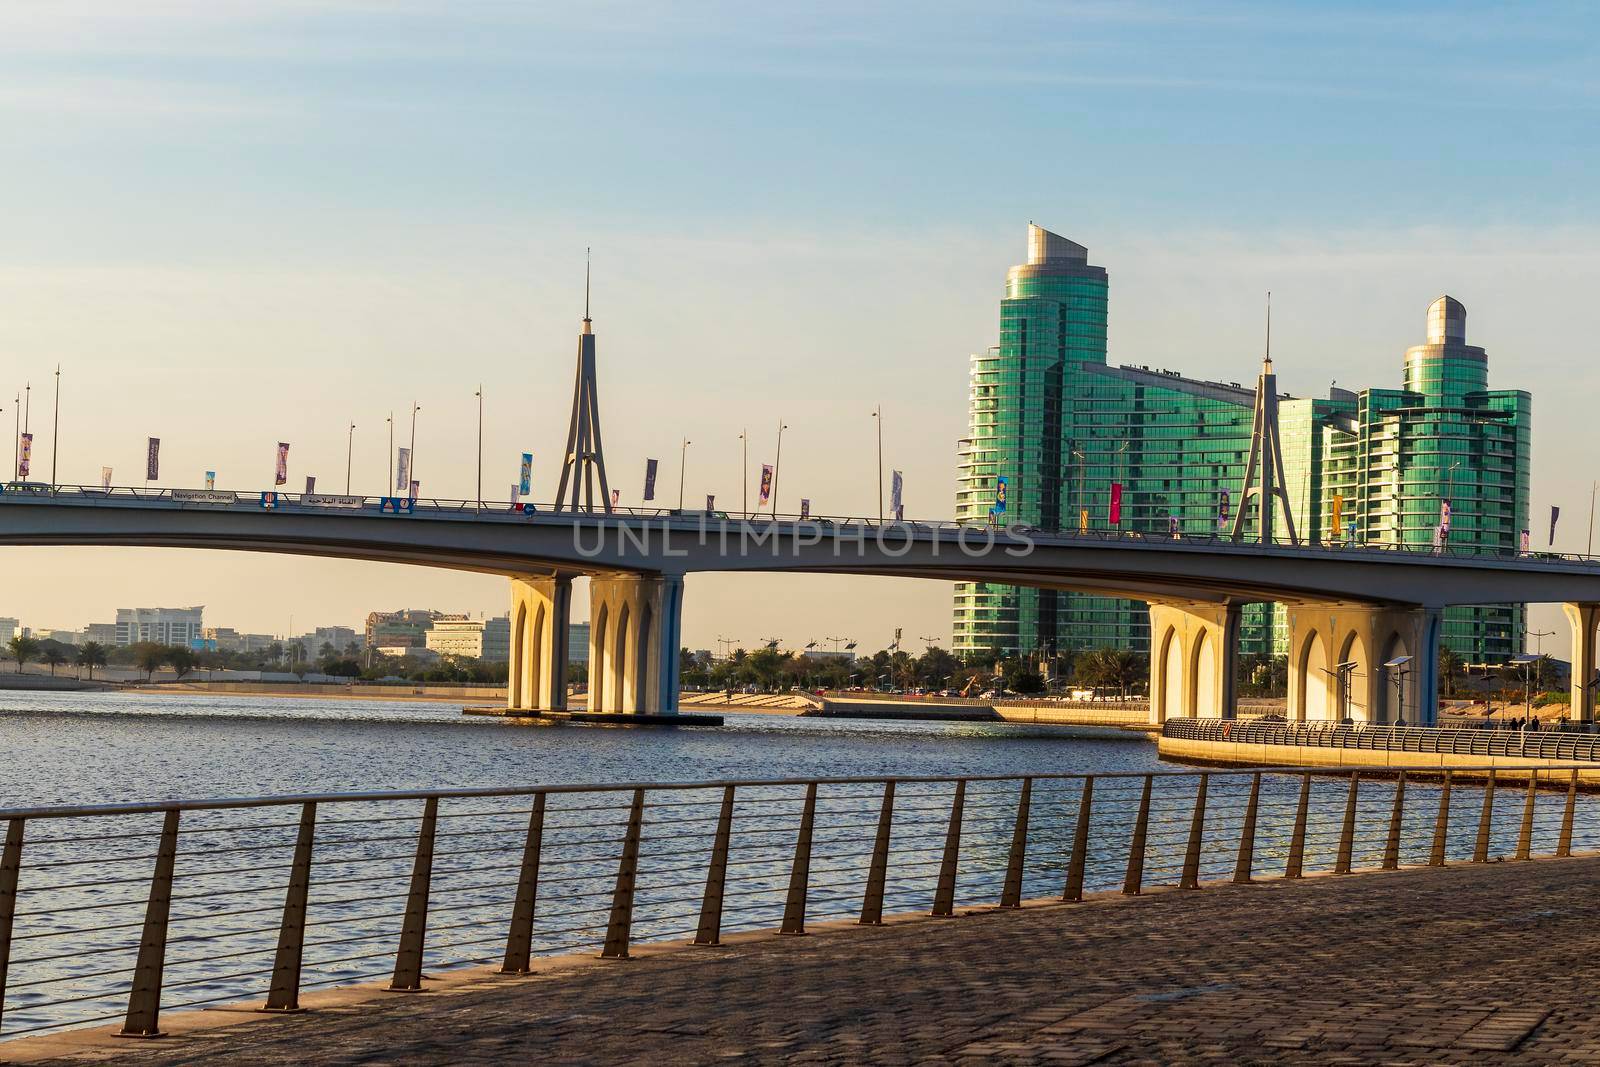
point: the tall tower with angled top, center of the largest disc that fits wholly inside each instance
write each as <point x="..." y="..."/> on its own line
<point x="585" y="459"/>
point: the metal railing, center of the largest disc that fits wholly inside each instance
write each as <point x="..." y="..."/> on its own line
<point x="504" y="511"/>
<point x="1544" y="743"/>
<point x="123" y="911"/>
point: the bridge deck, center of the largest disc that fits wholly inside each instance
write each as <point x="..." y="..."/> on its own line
<point x="1479" y="964"/>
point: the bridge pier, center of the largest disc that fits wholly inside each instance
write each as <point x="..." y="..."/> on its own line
<point x="541" y="611"/>
<point x="1583" y="618"/>
<point x="1323" y="636"/>
<point x="635" y="634"/>
<point x="1194" y="656"/>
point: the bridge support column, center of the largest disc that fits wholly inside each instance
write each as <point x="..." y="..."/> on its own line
<point x="541" y="610"/>
<point x="1194" y="653"/>
<point x="1583" y="618"/>
<point x="1336" y="657"/>
<point x="635" y="636"/>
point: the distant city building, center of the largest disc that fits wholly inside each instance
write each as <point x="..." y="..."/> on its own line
<point x="9" y="629"/>
<point x="578" y="643"/>
<point x="424" y="655"/>
<point x="461" y="635"/>
<point x="830" y="655"/>
<point x="340" y="638"/>
<point x="1069" y="434"/>
<point x="101" y="633"/>
<point x="391" y="629"/>
<point x="60" y="637"/>
<point x="162" y="626"/>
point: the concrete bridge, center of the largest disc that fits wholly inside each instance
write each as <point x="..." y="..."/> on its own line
<point x="1346" y="605"/>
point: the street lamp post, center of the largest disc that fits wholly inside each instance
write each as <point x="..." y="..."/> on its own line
<point x="415" y="407"/>
<point x="683" y="459"/>
<point x="55" y="429"/>
<point x="349" y="456"/>
<point x="777" y="468"/>
<point x="744" y="471"/>
<point x="1592" y="487"/>
<point x="480" y="447"/>
<point x="877" y="416"/>
<point x="388" y="479"/>
<point x="1398" y="670"/>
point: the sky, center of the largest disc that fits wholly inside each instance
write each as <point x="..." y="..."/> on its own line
<point x="238" y="222"/>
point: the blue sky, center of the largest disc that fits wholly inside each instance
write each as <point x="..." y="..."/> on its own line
<point x="239" y="222"/>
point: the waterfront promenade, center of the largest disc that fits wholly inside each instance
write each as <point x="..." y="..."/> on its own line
<point x="1482" y="964"/>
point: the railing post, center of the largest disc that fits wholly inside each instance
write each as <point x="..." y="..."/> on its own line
<point x="413" y="931"/>
<point x="1080" y="844"/>
<point x="144" y="1000"/>
<point x="1347" y="832"/>
<point x="1197" y="823"/>
<point x="1011" y="893"/>
<point x="794" y="909"/>
<point x="10" y="868"/>
<point x="1391" y="847"/>
<point x="519" y="939"/>
<point x="1525" y="833"/>
<point x="620" y="927"/>
<point x="1294" y="867"/>
<point x="944" y="894"/>
<point x="285" y="992"/>
<point x="872" y="901"/>
<point x="1480" y="847"/>
<point x="710" y="929"/>
<point x="1247" y="835"/>
<point x="1564" y="842"/>
<point x="1133" y="882"/>
<point x="1441" y="825"/>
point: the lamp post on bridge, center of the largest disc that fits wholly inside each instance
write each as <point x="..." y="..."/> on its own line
<point x="683" y="459"/>
<point x="877" y="417"/>
<point x="777" y="468"/>
<point x="415" y="407"/>
<point x="479" y="497"/>
<point x="349" y="456"/>
<point x="55" y="429"/>
<point x="744" y="471"/>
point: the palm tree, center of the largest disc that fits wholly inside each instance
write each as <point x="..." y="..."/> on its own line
<point x="92" y="655"/>
<point x="23" y="649"/>
<point x="53" y="656"/>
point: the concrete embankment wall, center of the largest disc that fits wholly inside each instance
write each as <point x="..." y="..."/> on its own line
<point x="1236" y="754"/>
<point x="340" y="692"/>
<point x="43" y="682"/>
<point x="1137" y="718"/>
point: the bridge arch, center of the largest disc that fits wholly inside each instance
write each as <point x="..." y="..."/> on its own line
<point x="1312" y="670"/>
<point x="1352" y="689"/>
<point x="599" y="648"/>
<point x="1171" y="666"/>
<point x="642" y="663"/>
<point x="1202" y="676"/>
<point x="617" y="667"/>
<point x="534" y="652"/>
<point x="519" y="647"/>
<point x="1389" y="705"/>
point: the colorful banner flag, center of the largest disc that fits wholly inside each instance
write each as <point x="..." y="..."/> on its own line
<point x="1116" y="503"/>
<point x="402" y="470"/>
<point x="282" y="471"/>
<point x="105" y="477"/>
<point x="897" y="502"/>
<point x="25" y="458"/>
<point x="1000" y="486"/>
<point x="805" y="507"/>
<point x="311" y="484"/>
<point x="1555" y="513"/>
<point x="649" y="479"/>
<point x="211" y="479"/>
<point x="1222" y="510"/>
<point x="1444" y="517"/>
<point x="516" y="495"/>
<point x="616" y="497"/>
<point x="1336" y="524"/>
<point x="152" y="462"/>
<point x="711" y="502"/>
<point x="766" y="484"/>
<point x="525" y="483"/>
<point x="416" y="486"/>
<point x="1438" y="538"/>
<point x="1526" y="548"/>
<point x="1083" y="520"/>
<point x="1172" y="526"/>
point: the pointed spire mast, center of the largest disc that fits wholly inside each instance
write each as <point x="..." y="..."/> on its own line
<point x="1263" y="477"/>
<point x="584" y="458"/>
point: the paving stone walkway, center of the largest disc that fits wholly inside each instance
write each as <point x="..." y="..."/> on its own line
<point x="1488" y="964"/>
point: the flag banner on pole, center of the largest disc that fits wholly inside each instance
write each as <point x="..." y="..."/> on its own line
<point x="897" y="502"/>
<point x="211" y="479"/>
<point x="525" y="482"/>
<point x="1000" y="485"/>
<point x="1526" y="547"/>
<point x="416" y="486"/>
<point x="1222" y="510"/>
<point x="1172" y="526"/>
<point x="105" y="477"/>
<point x="649" y="479"/>
<point x="1116" y="503"/>
<point x="805" y="507"/>
<point x="1438" y="538"/>
<point x="516" y="495"/>
<point x="402" y="469"/>
<point x="1083" y="520"/>
<point x="1444" y="517"/>
<point x="311" y="484"/>
<point x="1555" y="513"/>
<point x="1336" y="523"/>
<point x="152" y="462"/>
<point x="711" y="502"/>
<point x="24" y="459"/>
<point x="766" y="484"/>
<point x="616" y="498"/>
<point x="282" y="471"/>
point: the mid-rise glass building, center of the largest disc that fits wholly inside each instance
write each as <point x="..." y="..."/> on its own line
<point x="1061" y="426"/>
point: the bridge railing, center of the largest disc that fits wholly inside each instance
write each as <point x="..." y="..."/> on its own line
<point x="126" y="911"/>
<point x="1521" y="744"/>
<point x="503" y="510"/>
